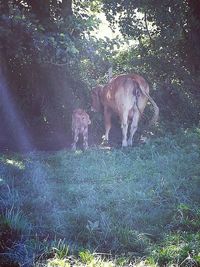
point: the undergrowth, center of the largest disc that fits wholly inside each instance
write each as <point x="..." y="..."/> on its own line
<point x="103" y="207"/>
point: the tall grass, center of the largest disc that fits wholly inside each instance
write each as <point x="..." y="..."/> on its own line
<point x="119" y="201"/>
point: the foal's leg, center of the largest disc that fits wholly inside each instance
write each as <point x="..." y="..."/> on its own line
<point x="85" y="138"/>
<point x="76" y="134"/>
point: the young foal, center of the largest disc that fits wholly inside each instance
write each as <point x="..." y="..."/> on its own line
<point x="80" y="122"/>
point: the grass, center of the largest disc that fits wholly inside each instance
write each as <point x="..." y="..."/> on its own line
<point x="104" y="207"/>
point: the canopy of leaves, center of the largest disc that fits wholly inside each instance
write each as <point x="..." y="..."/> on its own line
<point x="167" y="34"/>
<point x="51" y="58"/>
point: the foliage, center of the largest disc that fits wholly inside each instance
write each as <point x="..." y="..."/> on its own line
<point x="133" y="203"/>
<point x="54" y="38"/>
<point x="158" y="27"/>
<point x="103" y="207"/>
<point x="180" y="248"/>
<point x="61" y="249"/>
<point x="166" y="51"/>
<point x="14" y="220"/>
<point x="86" y="257"/>
<point x="51" y="59"/>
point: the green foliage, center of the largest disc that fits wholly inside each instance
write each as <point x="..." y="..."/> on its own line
<point x="58" y="263"/>
<point x="132" y="202"/>
<point x="132" y="240"/>
<point x="14" y="220"/>
<point x="50" y="62"/>
<point x="181" y="248"/>
<point x="52" y="59"/>
<point x="61" y="250"/>
<point x="86" y="257"/>
<point x="58" y="41"/>
<point x="166" y="52"/>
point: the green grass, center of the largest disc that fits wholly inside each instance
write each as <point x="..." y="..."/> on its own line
<point x="128" y="204"/>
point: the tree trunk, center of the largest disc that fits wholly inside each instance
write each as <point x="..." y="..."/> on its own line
<point x="66" y="8"/>
<point x="194" y="34"/>
<point x="4" y="8"/>
<point x="41" y="9"/>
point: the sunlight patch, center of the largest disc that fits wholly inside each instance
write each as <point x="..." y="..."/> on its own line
<point x="15" y="163"/>
<point x="78" y="152"/>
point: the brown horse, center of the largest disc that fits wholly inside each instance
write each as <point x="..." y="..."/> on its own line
<point x="126" y="95"/>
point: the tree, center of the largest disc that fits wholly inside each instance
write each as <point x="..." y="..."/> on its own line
<point x="167" y="33"/>
<point x="46" y="48"/>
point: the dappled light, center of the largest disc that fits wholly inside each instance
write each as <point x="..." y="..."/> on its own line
<point x="100" y="133"/>
<point x="116" y="200"/>
<point x="15" y="163"/>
